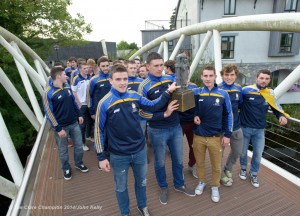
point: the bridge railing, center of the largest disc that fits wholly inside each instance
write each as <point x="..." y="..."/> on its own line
<point x="15" y="190"/>
<point x="18" y="189"/>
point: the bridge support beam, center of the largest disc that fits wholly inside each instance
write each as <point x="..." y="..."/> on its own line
<point x="15" y="95"/>
<point x="288" y="82"/>
<point x="166" y="51"/>
<point x="10" y="154"/>
<point x="217" y="53"/>
<point x="177" y="47"/>
<point x="8" y="188"/>
<point x="200" y="52"/>
<point x="28" y="88"/>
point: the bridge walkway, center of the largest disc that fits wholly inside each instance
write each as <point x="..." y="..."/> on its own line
<point x="92" y="193"/>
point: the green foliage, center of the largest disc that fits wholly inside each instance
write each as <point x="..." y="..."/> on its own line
<point x="173" y="20"/>
<point x="123" y="45"/>
<point x="31" y="20"/>
<point x="39" y="23"/>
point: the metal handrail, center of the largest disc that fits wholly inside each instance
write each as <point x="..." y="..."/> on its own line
<point x="33" y="156"/>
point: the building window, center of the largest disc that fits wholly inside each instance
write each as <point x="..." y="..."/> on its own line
<point x="290" y="5"/>
<point x="286" y="42"/>
<point x="229" y="7"/>
<point x="170" y="46"/>
<point x="227" y="47"/>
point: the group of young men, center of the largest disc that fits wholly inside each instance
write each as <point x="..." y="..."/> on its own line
<point x="119" y="102"/>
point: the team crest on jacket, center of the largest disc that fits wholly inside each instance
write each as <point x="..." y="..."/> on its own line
<point x="236" y="96"/>
<point x="217" y="103"/>
<point x="134" y="109"/>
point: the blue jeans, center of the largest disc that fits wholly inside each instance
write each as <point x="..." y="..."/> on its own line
<point x="160" y="138"/>
<point x="257" y="139"/>
<point x="74" y="132"/>
<point x="120" y="165"/>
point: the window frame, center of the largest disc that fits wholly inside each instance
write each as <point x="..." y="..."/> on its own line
<point x="282" y="48"/>
<point x="229" y="49"/>
<point x="229" y="3"/>
<point x="290" y="8"/>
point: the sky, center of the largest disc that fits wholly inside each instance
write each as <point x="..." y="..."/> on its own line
<point x="117" y="20"/>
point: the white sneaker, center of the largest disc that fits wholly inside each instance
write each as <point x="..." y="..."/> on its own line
<point x="199" y="189"/>
<point x="85" y="148"/>
<point x="194" y="170"/>
<point x="215" y="195"/>
<point x="90" y="139"/>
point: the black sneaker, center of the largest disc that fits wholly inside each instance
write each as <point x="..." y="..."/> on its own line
<point x="185" y="190"/>
<point x="163" y="197"/>
<point x="82" y="168"/>
<point x="67" y="174"/>
<point x="254" y="180"/>
<point x="144" y="211"/>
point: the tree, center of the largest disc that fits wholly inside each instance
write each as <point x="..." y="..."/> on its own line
<point x="123" y="45"/>
<point x="39" y="23"/>
<point x="173" y="20"/>
<point x="35" y="19"/>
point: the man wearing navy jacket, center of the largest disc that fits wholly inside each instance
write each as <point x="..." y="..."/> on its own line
<point x="164" y="132"/>
<point x="257" y="99"/>
<point x="118" y="115"/>
<point x="229" y="74"/>
<point x="63" y="114"/>
<point x="213" y="116"/>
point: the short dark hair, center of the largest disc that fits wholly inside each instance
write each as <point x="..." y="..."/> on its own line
<point x="117" y="68"/>
<point x="81" y="61"/>
<point x="170" y="64"/>
<point x="209" y="67"/>
<point x="56" y="71"/>
<point x="263" y="71"/>
<point x="153" y="56"/>
<point x="102" y="59"/>
<point x="72" y="59"/>
<point x="58" y="64"/>
<point x="229" y="68"/>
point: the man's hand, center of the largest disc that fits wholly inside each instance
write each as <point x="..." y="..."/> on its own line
<point x="282" y="120"/>
<point x="173" y="87"/>
<point x="225" y="141"/>
<point x="104" y="165"/>
<point x="80" y="120"/>
<point x="93" y="116"/>
<point x="197" y="120"/>
<point x="62" y="133"/>
<point x="171" y="107"/>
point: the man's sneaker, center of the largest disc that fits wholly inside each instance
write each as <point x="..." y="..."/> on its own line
<point x="163" y="197"/>
<point x="200" y="187"/>
<point x="82" y="168"/>
<point x="90" y="139"/>
<point x="194" y="171"/>
<point x="67" y="174"/>
<point x="85" y="148"/>
<point x="185" y="190"/>
<point x="243" y="174"/>
<point x="225" y="181"/>
<point x="229" y="175"/>
<point x="144" y="211"/>
<point x="254" y="180"/>
<point x="215" y="195"/>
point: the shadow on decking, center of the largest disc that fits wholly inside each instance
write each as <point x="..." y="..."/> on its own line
<point x="93" y="193"/>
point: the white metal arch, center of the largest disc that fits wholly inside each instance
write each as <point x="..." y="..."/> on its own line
<point x="287" y="22"/>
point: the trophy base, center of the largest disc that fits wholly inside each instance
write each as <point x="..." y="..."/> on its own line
<point x="185" y="99"/>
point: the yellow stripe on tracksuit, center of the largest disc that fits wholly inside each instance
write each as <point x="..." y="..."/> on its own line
<point x="97" y="137"/>
<point x="46" y="103"/>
